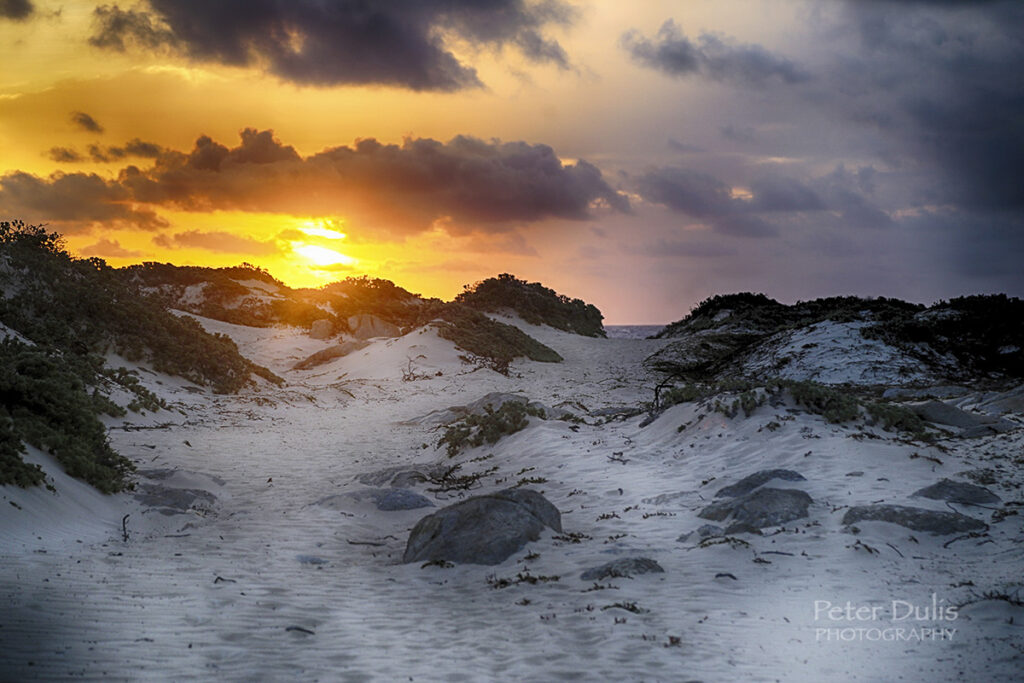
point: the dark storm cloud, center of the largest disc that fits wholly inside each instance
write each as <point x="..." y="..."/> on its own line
<point x="85" y="122"/>
<point x="771" y="203"/>
<point x="942" y="80"/>
<point x="703" y="197"/>
<point x="713" y="57"/>
<point x="687" y="191"/>
<point x="75" y="200"/>
<point x="466" y="184"/>
<point x="780" y="194"/>
<point x="845" y="194"/>
<point x="343" y="42"/>
<point x="65" y="155"/>
<point x="18" y="10"/>
<point x="100" y="154"/>
<point x="223" y="242"/>
<point x="132" y="148"/>
<point x="683" y="147"/>
<point x="744" y="134"/>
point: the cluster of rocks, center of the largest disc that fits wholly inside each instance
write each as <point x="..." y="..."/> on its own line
<point x="750" y="506"/>
<point x="936" y="522"/>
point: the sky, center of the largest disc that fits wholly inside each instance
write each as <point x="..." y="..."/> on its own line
<point x="641" y="156"/>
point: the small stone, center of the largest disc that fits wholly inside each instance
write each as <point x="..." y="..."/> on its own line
<point x="958" y="492"/>
<point x="624" y="567"/>
<point x="935" y="522"/>
<point x="753" y="481"/>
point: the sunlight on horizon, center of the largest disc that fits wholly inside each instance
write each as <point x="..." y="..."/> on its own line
<point x="321" y="256"/>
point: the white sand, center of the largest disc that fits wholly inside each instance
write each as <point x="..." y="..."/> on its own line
<point x="212" y="594"/>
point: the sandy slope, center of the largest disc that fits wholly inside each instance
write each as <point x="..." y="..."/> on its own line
<point x="217" y="593"/>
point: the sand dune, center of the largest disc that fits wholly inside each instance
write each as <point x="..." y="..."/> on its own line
<point x="253" y="580"/>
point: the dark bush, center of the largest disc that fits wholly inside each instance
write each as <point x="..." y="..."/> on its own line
<point x="534" y="303"/>
<point x="488" y="428"/>
<point x="474" y="332"/>
<point x="45" y="401"/>
<point x="83" y="306"/>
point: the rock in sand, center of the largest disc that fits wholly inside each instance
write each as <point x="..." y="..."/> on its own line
<point x="761" y="508"/>
<point x="749" y="483"/>
<point x="958" y="492"/>
<point x="484" y="529"/>
<point x="935" y="522"/>
<point x="623" y="567"/>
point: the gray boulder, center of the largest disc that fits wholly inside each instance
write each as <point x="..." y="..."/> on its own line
<point x="174" y="501"/>
<point x="322" y="329"/>
<point x="969" y="424"/>
<point x="749" y="483"/>
<point x="742" y="528"/>
<point x="329" y="354"/>
<point x="484" y="529"/>
<point x="624" y="567"/>
<point x="366" y="326"/>
<point x="935" y="522"/>
<point x="1011" y="401"/>
<point x="761" y="508"/>
<point x="401" y="476"/>
<point x="939" y="391"/>
<point x="401" y="499"/>
<point x="389" y="500"/>
<point x="702" y="532"/>
<point x="958" y="492"/>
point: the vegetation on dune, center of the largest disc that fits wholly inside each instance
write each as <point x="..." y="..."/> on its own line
<point x="837" y="404"/>
<point x="373" y="296"/>
<point x="480" y="336"/>
<point x="45" y="400"/>
<point x="224" y="298"/>
<point x="13" y="469"/>
<point x="73" y="312"/>
<point x="487" y="343"/>
<point x="982" y="332"/>
<point x="84" y="306"/>
<point x="985" y="333"/>
<point x="534" y="303"/>
<point x="488" y="428"/>
<point x="763" y="315"/>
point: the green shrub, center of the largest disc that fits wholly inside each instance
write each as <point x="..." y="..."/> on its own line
<point x="83" y="306"/>
<point x="474" y="332"/>
<point x="835" y="405"/>
<point x="488" y="428"/>
<point x="13" y="469"/>
<point x="534" y="303"/>
<point x="44" y="401"/>
<point x="899" y="418"/>
<point x="682" y="394"/>
<point x="983" y="332"/>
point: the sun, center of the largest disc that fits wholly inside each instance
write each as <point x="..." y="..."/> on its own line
<point x="322" y="256"/>
<point x="323" y="228"/>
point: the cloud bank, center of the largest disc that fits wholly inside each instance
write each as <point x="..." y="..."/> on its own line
<point x="466" y="184"/>
<point x="712" y="57"/>
<point x="343" y="42"/>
